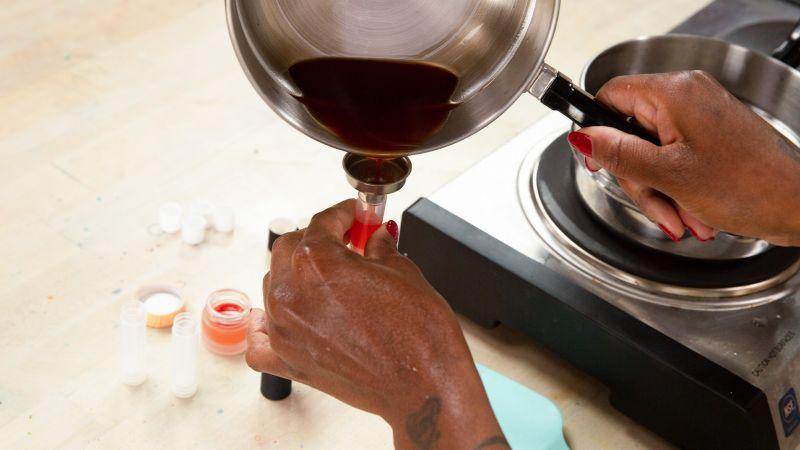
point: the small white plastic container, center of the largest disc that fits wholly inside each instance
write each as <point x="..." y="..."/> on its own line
<point x="132" y="326"/>
<point x="169" y="217"/>
<point x="193" y="229"/>
<point x="204" y="208"/>
<point x="185" y="337"/>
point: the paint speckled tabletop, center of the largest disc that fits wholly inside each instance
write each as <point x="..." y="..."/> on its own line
<point x="107" y="109"/>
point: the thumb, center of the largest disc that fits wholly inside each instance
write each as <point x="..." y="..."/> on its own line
<point x="625" y="155"/>
<point x="383" y="241"/>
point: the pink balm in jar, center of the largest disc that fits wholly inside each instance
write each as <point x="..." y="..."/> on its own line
<point x="225" y="319"/>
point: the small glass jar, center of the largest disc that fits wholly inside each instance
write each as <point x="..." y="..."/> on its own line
<point x="225" y="319"/>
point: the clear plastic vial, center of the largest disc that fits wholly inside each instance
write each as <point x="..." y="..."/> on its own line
<point x="132" y="326"/>
<point x="185" y="331"/>
<point x="368" y="218"/>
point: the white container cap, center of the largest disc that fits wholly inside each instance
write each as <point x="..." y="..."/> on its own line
<point x="132" y="320"/>
<point x="169" y="217"/>
<point x="193" y="229"/>
<point x="223" y="218"/>
<point x="203" y="208"/>
<point x="185" y="336"/>
<point x="162" y="302"/>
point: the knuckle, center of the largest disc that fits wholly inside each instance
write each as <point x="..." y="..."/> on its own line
<point x="702" y="77"/>
<point x="639" y="197"/>
<point x="281" y="242"/>
<point x="280" y="297"/>
<point x="324" y="217"/>
<point x="674" y="157"/>
<point x="313" y="257"/>
<point x="278" y="342"/>
<point x="614" y="162"/>
<point x="252" y="359"/>
<point x="307" y="253"/>
<point x="613" y="84"/>
<point x="406" y="263"/>
<point x="265" y="282"/>
<point x="614" y="88"/>
<point x="304" y="251"/>
<point x="682" y="81"/>
<point x="295" y="374"/>
<point x="639" y="148"/>
<point x="678" y="162"/>
<point x="689" y="81"/>
<point x="278" y="300"/>
<point x="318" y="216"/>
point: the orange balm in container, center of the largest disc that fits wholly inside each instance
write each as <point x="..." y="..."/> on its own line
<point x="225" y="320"/>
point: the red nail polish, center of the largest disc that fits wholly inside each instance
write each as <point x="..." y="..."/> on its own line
<point x="669" y="234"/>
<point x="580" y="142"/>
<point x="691" y="230"/>
<point x="391" y="227"/>
<point x="586" y="164"/>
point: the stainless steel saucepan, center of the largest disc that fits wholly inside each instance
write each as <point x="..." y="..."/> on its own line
<point x="770" y="86"/>
<point x="495" y="47"/>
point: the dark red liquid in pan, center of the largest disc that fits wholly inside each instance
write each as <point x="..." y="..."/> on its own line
<point x="384" y="106"/>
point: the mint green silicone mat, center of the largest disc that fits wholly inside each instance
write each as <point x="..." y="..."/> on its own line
<point x="529" y="420"/>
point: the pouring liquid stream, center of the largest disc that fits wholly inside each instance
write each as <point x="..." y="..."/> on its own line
<point x="381" y="108"/>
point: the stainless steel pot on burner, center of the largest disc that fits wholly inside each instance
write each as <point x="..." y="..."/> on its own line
<point x="770" y="86"/>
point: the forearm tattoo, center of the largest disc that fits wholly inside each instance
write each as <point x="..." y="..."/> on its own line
<point x="422" y="427"/>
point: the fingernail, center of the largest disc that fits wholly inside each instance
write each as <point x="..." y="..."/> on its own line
<point x="391" y="227"/>
<point x="669" y="234"/>
<point x="696" y="236"/>
<point x="588" y="167"/>
<point x="580" y="142"/>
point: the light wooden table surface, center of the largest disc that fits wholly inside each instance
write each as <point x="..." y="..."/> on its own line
<point x="110" y="107"/>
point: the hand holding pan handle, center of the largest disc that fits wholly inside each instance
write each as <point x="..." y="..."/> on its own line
<point x="789" y="51"/>
<point x="558" y="93"/>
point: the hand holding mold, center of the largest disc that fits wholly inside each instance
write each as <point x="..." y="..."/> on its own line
<point x="370" y="331"/>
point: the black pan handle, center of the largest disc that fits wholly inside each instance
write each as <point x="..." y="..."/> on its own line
<point x="558" y="93"/>
<point x="789" y="51"/>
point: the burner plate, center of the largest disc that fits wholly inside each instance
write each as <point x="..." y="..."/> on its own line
<point x="556" y="193"/>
